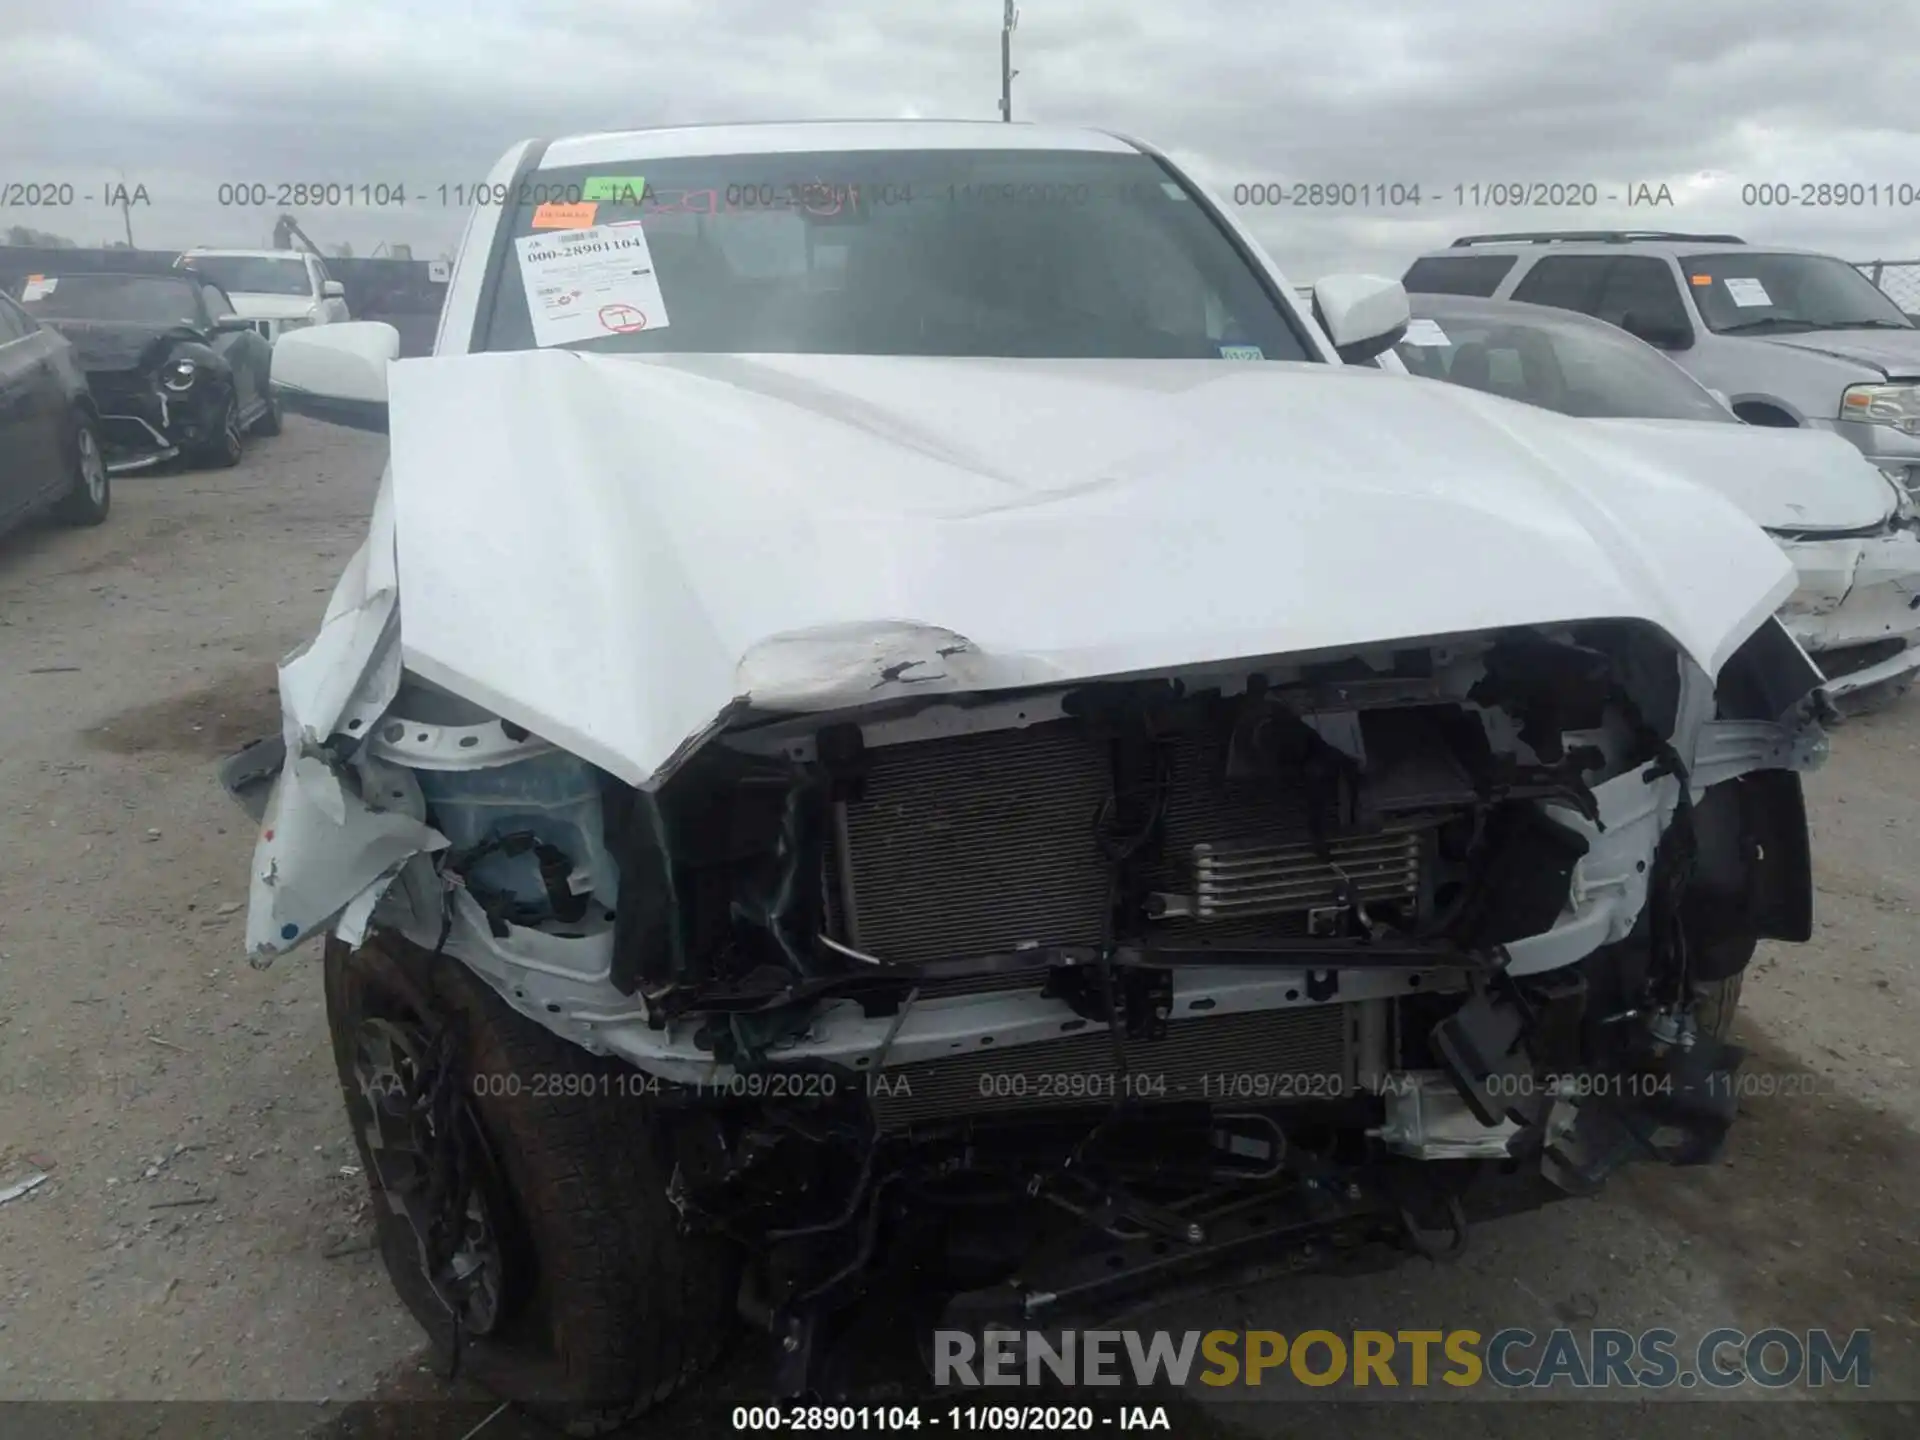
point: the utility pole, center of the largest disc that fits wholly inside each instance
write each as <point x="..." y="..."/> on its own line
<point x="1007" y="72"/>
<point x="126" y="207"/>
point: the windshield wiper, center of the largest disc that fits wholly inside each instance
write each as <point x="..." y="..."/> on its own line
<point x="1871" y="325"/>
<point x="1747" y="327"/>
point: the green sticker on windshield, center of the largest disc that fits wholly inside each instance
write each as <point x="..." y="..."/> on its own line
<point x="1241" y="352"/>
<point x="619" y="189"/>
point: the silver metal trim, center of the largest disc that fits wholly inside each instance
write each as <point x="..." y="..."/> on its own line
<point x="843" y="858"/>
<point x="146" y="425"/>
<point x="143" y="462"/>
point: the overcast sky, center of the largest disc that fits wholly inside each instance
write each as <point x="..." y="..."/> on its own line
<point x="1703" y="97"/>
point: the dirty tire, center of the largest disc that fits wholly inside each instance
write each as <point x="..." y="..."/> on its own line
<point x="90" y="494"/>
<point x="222" y="449"/>
<point x="618" y="1308"/>
<point x="269" y="422"/>
<point x="1716" y="1003"/>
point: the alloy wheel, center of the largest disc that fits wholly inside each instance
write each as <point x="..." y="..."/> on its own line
<point x="394" y="1070"/>
<point x="93" y="467"/>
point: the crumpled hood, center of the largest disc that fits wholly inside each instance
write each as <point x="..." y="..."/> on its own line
<point x="271" y="307"/>
<point x="610" y="550"/>
<point x="1795" y="481"/>
<point x="1895" y="353"/>
<point x="117" y="345"/>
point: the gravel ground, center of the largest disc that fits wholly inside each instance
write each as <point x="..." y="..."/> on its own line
<point x="202" y="1236"/>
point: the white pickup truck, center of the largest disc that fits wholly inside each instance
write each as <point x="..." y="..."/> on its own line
<point x="935" y="719"/>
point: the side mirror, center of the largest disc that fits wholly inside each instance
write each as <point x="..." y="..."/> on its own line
<point x="229" y="324"/>
<point x="332" y="290"/>
<point x="1362" y="314"/>
<point x="337" y="373"/>
<point x="1661" y="334"/>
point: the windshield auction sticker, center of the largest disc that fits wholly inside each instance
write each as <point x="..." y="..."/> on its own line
<point x="582" y="284"/>
<point x="565" y="217"/>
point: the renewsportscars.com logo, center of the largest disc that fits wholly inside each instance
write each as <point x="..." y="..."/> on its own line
<point x="1509" y="1359"/>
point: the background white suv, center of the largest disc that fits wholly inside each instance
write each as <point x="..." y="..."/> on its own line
<point x="1791" y="338"/>
<point x="278" y="290"/>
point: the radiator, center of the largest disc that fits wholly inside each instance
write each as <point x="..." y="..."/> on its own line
<point x="981" y="844"/>
<point x="1247" y="1061"/>
<point x="978" y="844"/>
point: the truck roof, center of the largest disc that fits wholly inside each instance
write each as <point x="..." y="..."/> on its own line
<point x="798" y="136"/>
<point x="1604" y="242"/>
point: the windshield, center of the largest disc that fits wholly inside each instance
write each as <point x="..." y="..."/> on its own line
<point x="1759" y="293"/>
<point x="1576" y="367"/>
<point x="252" y="274"/>
<point x="1039" y="254"/>
<point x="135" y="299"/>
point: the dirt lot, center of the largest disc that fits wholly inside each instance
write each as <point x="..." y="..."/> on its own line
<point x="202" y="1237"/>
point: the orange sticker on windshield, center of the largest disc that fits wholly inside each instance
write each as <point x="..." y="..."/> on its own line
<point x="565" y="217"/>
<point x="1701" y="279"/>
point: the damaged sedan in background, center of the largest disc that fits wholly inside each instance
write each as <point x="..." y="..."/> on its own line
<point x="1851" y="532"/>
<point x="986" y="755"/>
<point x="172" y="369"/>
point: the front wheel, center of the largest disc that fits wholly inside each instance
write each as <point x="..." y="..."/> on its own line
<point x="586" y="1299"/>
<point x="89" y="494"/>
<point x="223" y="444"/>
<point x="269" y="421"/>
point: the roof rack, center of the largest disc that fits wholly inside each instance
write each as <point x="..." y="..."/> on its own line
<point x="1593" y="237"/>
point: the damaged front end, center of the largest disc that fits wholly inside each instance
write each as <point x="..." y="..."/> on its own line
<point x="1857" y="608"/>
<point x="1071" y="993"/>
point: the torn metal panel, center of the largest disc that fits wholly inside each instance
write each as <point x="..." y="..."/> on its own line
<point x="321" y="847"/>
<point x="1826" y="569"/>
<point x="840" y="666"/>
<point x="1127" y="518"/>
<point x="349" y="672"/>
<point x="354" y="921"/>
<point x="1857" y="597"/>
<point x="248" y="774"/>
<point x="1610" y="882"/>
<point x="1728" y="749"/>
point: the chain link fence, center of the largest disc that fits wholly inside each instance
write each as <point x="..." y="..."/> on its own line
<point x="1899" y="278"/>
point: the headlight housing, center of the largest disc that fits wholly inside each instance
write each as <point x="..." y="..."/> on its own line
<point x="1895" y="405"/>
<point x="179" y="375"/>
<point x="1898" y="477"/>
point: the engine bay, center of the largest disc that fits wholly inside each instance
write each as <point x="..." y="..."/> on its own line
<point x="1397" y="803"/>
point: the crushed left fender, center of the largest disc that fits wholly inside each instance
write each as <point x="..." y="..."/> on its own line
<point x="321" y="847"/>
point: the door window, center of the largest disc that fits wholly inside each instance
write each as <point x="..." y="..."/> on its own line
<point x="1458" y="274"/>
<point x="1566" y="282"/>
<point x="1644" y="288"/>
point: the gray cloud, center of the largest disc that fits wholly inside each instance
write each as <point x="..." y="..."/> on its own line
<point x="182" y="97"/>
